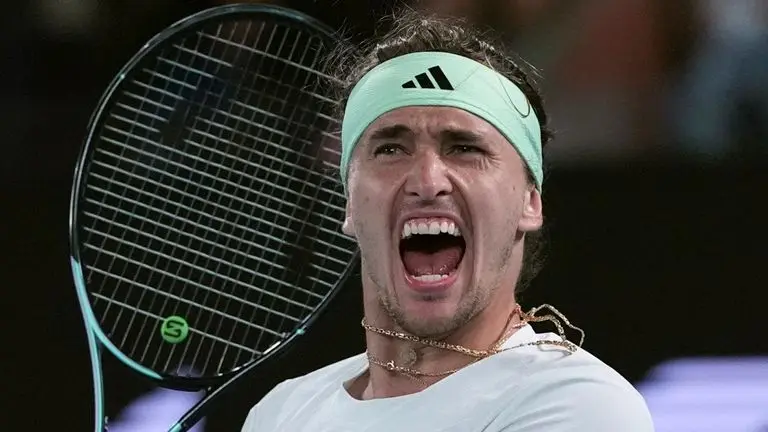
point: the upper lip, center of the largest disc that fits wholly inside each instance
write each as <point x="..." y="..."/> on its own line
<point x="430" y="214"/>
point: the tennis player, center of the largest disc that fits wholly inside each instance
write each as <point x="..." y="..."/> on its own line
<point x="442" y="139"/>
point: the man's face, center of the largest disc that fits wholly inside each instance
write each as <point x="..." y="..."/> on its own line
<point x="439" y="201"/>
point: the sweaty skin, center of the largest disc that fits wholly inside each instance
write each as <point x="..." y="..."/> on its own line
<point x="437" y="162"/>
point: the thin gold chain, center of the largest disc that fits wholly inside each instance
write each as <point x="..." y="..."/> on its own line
<point x="477" y="355"/>
<point x="418" y="375"/>
<point x="531" y="317"/>
<point x="393" y="367"/>
<point x="450" y="347"/>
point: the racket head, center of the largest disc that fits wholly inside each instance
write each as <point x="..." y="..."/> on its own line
<point x="153" y="190"/>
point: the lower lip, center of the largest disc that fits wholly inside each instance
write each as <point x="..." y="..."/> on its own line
<point x="432" y="286"/>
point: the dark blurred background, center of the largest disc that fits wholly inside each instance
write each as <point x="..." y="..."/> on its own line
<point x="655" y="198"/>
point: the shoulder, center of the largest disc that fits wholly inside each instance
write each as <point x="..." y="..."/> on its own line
<point x="302" y="390"/>
<point x="553" y="365"/>
<point x="575" y="392"/>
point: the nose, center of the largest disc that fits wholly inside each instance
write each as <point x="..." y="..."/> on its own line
<point x="428" y="178"/>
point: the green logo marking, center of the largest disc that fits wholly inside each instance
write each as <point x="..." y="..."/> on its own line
<point x="174" y="329"/>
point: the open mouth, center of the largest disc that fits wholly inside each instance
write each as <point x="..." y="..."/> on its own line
<point x="431" y="249"/>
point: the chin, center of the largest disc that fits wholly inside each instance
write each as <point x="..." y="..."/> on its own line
<point x="431" y="314"/>
<point x="431" y="273"/>
<point x="429" y="326"/>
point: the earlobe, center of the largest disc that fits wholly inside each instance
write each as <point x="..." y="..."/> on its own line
<point x="532" y="217"/>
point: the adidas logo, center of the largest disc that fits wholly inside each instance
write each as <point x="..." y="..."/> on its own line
<point x="425" y="80"/>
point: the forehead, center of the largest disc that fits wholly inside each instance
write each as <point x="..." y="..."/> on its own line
<point x="432" y="120"/>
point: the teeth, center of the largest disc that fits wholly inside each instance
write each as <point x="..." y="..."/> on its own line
<point x="430" y="277"/>
<point x="434" y="227"/>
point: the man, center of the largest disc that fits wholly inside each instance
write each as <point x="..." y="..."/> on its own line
<point x="441" y="161"/>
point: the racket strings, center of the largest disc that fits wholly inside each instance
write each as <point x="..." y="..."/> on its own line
<point x="199" y="204"/>
<point x="114" y="259"/>
<point x="273" y="99"/>
<point x="293" y="114"/>
<point x="171" y="133"/>
<point x="191" y="282"/>
<point x="284" y="269"/>
<point x="217" y="299"/>
<point x="161" y="281"/>
<point x="269" y="255"/>
<point x="225" y="183"/>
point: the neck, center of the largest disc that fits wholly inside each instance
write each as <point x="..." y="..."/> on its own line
<point x="480" y="333"/>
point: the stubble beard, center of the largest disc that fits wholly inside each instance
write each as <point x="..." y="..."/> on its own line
<point x="469" y="306"/>
<point x="435" y="328"/>
<point x="472" y="302"/>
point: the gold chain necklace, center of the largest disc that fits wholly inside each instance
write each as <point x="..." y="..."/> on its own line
<point x="419" y="375"/>
<point x="476" y="354"/>
<point x="451" y="347"/>
<point x="412" y="373"/>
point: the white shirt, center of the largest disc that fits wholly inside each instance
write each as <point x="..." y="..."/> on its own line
<point x="525" y="389"/>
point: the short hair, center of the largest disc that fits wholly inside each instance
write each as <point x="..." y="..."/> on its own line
<point x="413" y="31"/>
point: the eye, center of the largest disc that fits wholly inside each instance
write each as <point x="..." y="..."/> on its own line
<point x="466" y="148"/>
<point x="388" y="149"/>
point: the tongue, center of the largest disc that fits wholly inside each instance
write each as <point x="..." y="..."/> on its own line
<point x="442" y="261"/>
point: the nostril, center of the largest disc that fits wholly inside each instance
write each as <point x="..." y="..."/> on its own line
<point x="429" y="190"/>
<point x="429" y="178"/>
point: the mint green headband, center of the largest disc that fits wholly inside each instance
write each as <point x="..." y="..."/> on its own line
<point x="442" y="79"/>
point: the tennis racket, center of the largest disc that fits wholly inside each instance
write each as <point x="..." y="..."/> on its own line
<point x="205" y="218"/>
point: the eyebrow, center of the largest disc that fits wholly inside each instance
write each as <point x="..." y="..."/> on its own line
<point x="449" y="134"/>
<point x="460" y="135"/>
<point x="390" y="132"/>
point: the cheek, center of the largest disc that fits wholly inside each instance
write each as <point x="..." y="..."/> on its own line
<point x="498" y="206"/>
<point x="372" y="192"/>
<point x="370" y="238"/>
<point x="366" y="216"/>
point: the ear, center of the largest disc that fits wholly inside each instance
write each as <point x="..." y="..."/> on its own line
<point x="348" y="227"/>
<point x="532" y="217"/>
